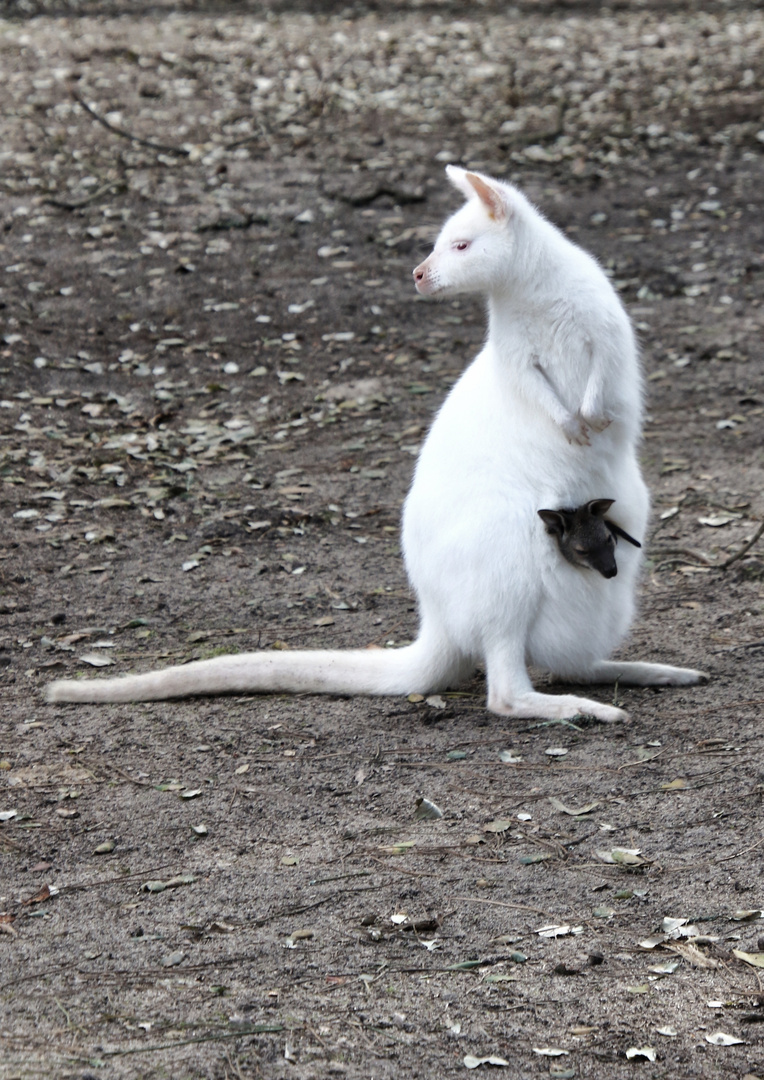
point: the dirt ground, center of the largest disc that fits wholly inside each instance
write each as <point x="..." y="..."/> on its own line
<point x="215" y="377"/>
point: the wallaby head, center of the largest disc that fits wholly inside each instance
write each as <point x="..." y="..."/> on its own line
<point x="585" y="537"/>
<point x="471" y="252"/>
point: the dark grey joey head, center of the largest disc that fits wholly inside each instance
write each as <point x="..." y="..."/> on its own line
<point x="585" y="538"/>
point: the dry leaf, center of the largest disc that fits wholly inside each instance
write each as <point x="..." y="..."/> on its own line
<point x="427" y="811"/>
<point x="668" y="967"/>
<point x="474" y="1062"/>
<point x="622" y="856"/>
<point x="96" y="659"/>
<point x="693" y="955"/>
<point x="718" y="520"/>
<point x="754" y="959"/>
<point x="499" y="826"/>
<point x="641" y="1051"/>
<point x="720" y="1038"/>
<point x="559" y="805"/>
<point x="652" y="942"/>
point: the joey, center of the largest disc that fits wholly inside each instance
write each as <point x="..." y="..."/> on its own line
<point x="585" y="537"/>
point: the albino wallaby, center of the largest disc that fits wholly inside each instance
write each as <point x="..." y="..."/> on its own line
<point x="585" y="537"/>
<point x="559" y="369"/>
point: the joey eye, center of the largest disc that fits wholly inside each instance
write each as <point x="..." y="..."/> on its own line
<point x="461" y="245"/>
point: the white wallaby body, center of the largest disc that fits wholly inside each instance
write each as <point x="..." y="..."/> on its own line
<point x="548" y="414"/>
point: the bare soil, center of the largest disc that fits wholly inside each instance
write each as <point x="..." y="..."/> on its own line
<point x="215" y="377"/>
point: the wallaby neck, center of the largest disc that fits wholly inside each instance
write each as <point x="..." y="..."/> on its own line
<point x="520" y="314"/>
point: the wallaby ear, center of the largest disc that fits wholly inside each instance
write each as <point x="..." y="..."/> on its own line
<point x="458" y="178"/>
<point x="554" y="520"/>
<point x="599" y="507"/>
<point x="492" y="195"/>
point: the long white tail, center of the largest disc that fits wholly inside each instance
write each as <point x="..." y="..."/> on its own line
<point x="425" y="665"/>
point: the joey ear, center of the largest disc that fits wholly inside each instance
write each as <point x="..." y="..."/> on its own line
<point x="599" y="507"/>
<point x="490" y="193"/>
<point x="617" y="531"/>
<point x="554" y="521"/>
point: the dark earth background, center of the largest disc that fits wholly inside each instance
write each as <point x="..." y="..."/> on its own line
<point x="215" y="377"/>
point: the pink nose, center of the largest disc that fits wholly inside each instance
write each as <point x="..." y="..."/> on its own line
<point x="419" y="272"/>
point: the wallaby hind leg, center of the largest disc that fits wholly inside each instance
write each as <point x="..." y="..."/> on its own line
<point x="638" y="674"/>
<point x="511" y="693"/>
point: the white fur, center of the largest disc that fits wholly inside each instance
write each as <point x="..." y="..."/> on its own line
<point x="547" y="415"/>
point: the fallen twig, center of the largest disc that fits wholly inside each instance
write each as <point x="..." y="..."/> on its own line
<point x="642" y="761"/>
<point x="5" y="841"/>
<point x="688" y="553"/>
<point x="400" y="869"/>
<point x="745" y="645"/>
<point x="678" y="561"/>
<point x="286" y="913"/>
<point x="744" y="549"/>
<point x="61" y="204"/>
<point x="254" y="1029"/>
<point x="339" y="877"/>
<point x="110" y="881"/>
<point x="179" y="151"/>
<point x="737" y="854"/>
<point x="503" y="904"/>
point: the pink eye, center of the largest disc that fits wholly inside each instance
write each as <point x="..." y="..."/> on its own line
<point x="462" y="245"/>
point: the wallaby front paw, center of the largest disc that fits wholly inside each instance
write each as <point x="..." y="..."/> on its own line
<point x="576" y="431"/>
<point x="598" y="423"/>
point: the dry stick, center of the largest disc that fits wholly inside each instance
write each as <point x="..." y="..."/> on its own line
<point x="287" y="913"/>
<point x="257" y="1029"/>
<point x="47" y="972"/>
<point x="688" y="552"/>
<point x="734" y="648"/>
<point x="114" y="768"/>
<point x="111" y="881"/>
<point x="61" y="204"/>
<point x="399" y="869"/>
<point x="5" y="841"/>
<point x="235" y="1067"/>
<point x="744" y="549"/>
<point x="502" y="904"/>
<point x="729" y="705"/>
<point x="643" y="761"/>
<point x="737" y="854"/>
<point x="677" y="561"/>
<point x="177" y="150"/>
